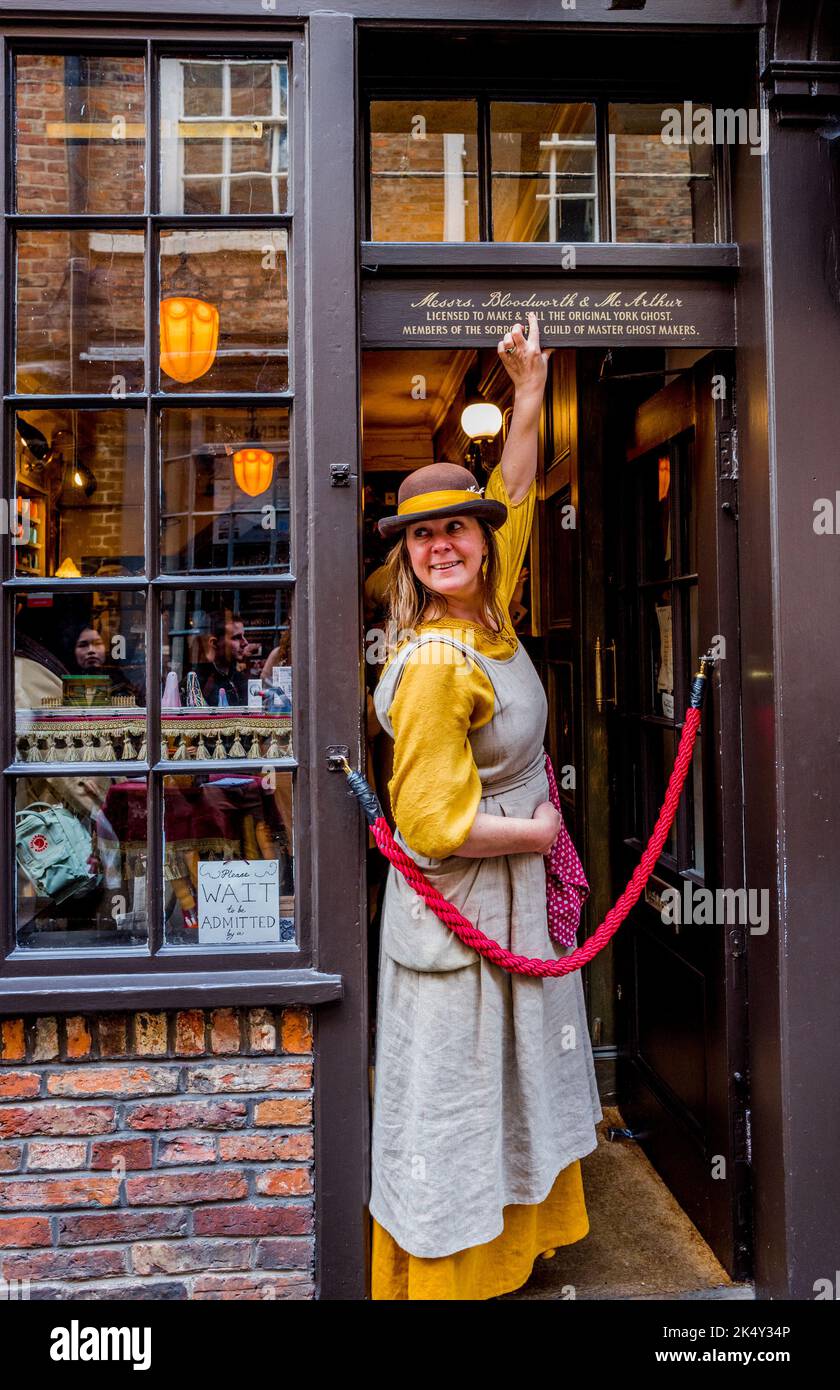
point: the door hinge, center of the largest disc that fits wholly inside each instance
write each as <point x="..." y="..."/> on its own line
<point x="339" y="475"/>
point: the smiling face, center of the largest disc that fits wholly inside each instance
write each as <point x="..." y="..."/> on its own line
<point x="446" y="554"/>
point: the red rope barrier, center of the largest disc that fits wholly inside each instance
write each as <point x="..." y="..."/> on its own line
<point x="526" y="965"/>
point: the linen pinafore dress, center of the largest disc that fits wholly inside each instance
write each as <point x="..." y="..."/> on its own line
<point x="484" y="1081"/>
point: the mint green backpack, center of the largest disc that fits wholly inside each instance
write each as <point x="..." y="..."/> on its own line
<point x="53" y="848"/>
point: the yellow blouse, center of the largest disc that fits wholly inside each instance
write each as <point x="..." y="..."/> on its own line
<point x="435" y="789"/>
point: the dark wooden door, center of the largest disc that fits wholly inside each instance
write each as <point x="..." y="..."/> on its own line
<point x="671" y="500"/>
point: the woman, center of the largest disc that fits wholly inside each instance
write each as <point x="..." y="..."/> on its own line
<point x="485" y="1096"/>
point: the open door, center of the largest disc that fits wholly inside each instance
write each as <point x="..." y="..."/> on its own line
<point x="680" y="977"/>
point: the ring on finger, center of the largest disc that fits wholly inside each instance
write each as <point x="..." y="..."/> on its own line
<point x="510" y="349"/>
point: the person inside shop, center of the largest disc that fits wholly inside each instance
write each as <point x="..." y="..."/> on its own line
<point x="228" y="657"/>
<point x="85" y="652"/>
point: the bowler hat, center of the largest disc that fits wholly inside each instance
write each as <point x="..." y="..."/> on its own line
<point x="440" y="489"/>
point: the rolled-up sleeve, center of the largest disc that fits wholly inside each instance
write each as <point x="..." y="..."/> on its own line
<point x="513" y="535"/>
<point x="436" y="789"/>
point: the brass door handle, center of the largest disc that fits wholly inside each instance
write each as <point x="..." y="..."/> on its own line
<point x="613" y="699"/>
<point x="599" y="675"/>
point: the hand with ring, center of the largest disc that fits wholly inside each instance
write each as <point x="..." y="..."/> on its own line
<point x="524" y="361"/>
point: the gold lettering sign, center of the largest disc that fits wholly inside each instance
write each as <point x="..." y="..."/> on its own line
<point x="575" y="312"/>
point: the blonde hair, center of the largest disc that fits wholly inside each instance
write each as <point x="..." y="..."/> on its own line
<point x="408" y="596"/>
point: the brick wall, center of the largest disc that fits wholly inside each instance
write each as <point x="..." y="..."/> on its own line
<point x="157" y="1155"/>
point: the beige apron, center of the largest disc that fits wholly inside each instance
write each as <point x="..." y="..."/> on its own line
<point x="484" y="1083"/>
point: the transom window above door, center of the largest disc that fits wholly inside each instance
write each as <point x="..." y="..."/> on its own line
<point x="475" y="169"/>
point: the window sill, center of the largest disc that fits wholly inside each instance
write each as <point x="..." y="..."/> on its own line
<point x="202" y="989"/>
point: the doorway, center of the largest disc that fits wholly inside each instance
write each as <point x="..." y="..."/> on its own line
<point x="631" y="574"/>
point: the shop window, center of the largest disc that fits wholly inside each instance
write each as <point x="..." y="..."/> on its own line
<point x="224" y="136"/>
<point x="527" y="171"/>
<point x="424" y="171"/>
<point x="148" y="588"/>
<point x="659" y="190"/>
<point x="543" y="169"/>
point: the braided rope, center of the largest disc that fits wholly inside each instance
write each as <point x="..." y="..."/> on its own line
<point x="526" y="965"/>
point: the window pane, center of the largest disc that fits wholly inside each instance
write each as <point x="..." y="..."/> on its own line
<point x="660" y="654"/>
<point x="79" y="485"/>
<point x="424" y="171"/>
<point x="228" y="662"/>
<point x="225" y="489"/>
<point x="224" y="310"/>
<point x="224" y="136"/>
<point x="79" y="311"/>
<point x="228" y="859"/>
<point x="659" y="191"/>
<point x="543" y="164"/>
<point x="80" y="676"/>
<point x="80" y="844"/>
<point x="661" y="751"/>
<point x="79" y="133"/>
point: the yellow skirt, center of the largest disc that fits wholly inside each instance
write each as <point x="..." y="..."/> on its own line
<point x="484" y="1271"/>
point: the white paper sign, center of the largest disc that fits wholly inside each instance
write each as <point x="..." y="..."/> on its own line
<point x="238" y="901"/>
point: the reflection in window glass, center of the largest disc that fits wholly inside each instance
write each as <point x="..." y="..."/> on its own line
<point x="79" y="312"/>
<point x="660" y="628"/>
<point x="79" y="133"/>
<point x="224" y="136"/>
<point x="80" y="845"/>
<point x="424" y="171"/>
<point x="80" y="676"/>
<point x="224" y="313"/>
<point x="543" y="166"/>
<point x="227" y="662"/>
<point x="659" y="191"/>
<point x="228" y="859"/>
<point x="225" y="489"/>
<point x="79" y="484"/>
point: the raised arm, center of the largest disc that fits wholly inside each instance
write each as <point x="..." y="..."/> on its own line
<point x="527" y="367"/>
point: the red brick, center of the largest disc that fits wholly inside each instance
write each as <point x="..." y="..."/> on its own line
<point x="263" y="1148"/>
<point x="113" y="1081"/>
<point x="185" y="1187"/>
<point x="187" y="1148"/>
<point x="24" y="1232"/>
<point x="189" y="1033"/>
<point x="79" y="1041"/>
<point x="46" y="1040"/>
<point x="123" y="1153"/>
<point x="262" y="1031"/>
<point x="225" y="1031"/>
<point x="65" y="1264"/>
<point x="23" y="1120"/>
<point x="249" y="1076"/>
<point x="246" y="1220"/>
<point x="46" y="1156"/>
<point x="294" y="1111"/>
<point x="19" y="1085"/>
<point x="253" y="1287"/>
<point x="284" y="1182"/>
<point x="284" y="1252"/>
<point x="113" y="1035"/>
<point x="98" y="1227"/>
<point x="11" y="1156"/>
<point x="184" y="1256"/>
<point x="59" y="1192"/>
<point x="217" y="1114"/>
<point x="150" y="1034"/>
<point x="295" y="1032"/>
<point x="12" y="1040"/>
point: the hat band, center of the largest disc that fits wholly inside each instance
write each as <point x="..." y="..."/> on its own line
<point x="447" y="497"/>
